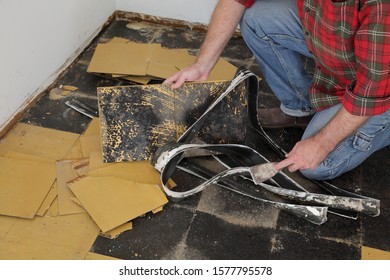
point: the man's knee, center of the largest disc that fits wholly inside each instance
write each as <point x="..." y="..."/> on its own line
<point x="320" y="173"/>
<point x="269" y="17"/>
<point x="328" y="171"/>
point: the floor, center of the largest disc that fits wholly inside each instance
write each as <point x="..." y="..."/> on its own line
<point x="218" y="224"/>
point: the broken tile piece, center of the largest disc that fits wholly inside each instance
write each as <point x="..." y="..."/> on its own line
<point x="113" y="201"/>
<point x="222" y="71"/>
<point x="93" y="128"/>
<point x="94" y="257"/>
<point x="80" y="166"/>
<point x="119" y="58"/>
<point x="114" y="233"/>
<point x="6" y="223"/>
<point x="24" y="185"/>
<point x="159" y="209"/>
<point x="61" y="238"/>
<point x="23" y="156"/>
<point x="137" y="171"/>
<point x="90" y="143"/>
<point x="53" y="209"/>
<point x="136" y="79"/>
<point x="49" y="199"/>
<point x="75" y="151"/>
<point x="52" y="194"/>
<point x="66" y="173"/>
<point x="39" y="141"/>
<point x="374" y="254"/>
<point x="96" y="161"/>
<point x="130" y="59"/>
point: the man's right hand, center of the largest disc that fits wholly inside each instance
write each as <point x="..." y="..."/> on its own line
<point x="190" y="73"/>
<point x="224" y="21"/>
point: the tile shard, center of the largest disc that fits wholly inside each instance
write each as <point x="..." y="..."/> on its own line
<point x="24" y="185"/>
<point x="66" y="173"/>
<point x="113" y="201"/>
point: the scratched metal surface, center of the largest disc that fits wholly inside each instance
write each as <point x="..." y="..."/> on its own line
<point x="136" y="120"/>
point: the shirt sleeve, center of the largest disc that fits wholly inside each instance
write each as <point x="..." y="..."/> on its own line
<point x="370" y="93"/>
<point x="246" y="3"/>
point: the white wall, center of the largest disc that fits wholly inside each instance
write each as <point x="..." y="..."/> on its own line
<point x="37" y="39"/>
<point x="189" y="10"/>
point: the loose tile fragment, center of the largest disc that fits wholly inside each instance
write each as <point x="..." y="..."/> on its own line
<point x="24" y="185"/>
<point x="38" y="141"/>
<point x="114" y="233"/>
<point x="67" y="237"/>
<point x="66" y="173"/>
<point x="113" y="201"/>
<point x="374" y="254"/>
<point x="94" y="257"/>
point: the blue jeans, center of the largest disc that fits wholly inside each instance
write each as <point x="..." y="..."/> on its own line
<point x="371" y="137"/>
<point x="272" y="30"/>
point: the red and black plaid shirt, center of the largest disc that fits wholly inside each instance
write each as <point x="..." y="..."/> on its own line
<point x="350" y="42"/>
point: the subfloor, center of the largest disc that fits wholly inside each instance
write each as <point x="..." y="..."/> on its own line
<point x="217" y="223"/>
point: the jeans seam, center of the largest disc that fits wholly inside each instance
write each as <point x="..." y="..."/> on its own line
<point x="329" y="160"/>
<point x="285" y="68"/>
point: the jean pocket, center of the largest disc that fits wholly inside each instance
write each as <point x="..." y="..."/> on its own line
<point x="362" y="142"/>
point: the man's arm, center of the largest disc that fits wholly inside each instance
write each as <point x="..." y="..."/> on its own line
<point x="369" y="97"/>
<point x="223" y="24"/>
<point x="309" y="153"/>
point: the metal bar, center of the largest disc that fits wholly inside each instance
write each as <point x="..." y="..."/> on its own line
<point x="79" y="109"/>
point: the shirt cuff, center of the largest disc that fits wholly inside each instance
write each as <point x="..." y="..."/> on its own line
<point x="365" y="106"/>
<point x="246" y="3"/>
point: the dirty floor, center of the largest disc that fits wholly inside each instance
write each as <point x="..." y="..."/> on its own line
<point x="218" y="224"/>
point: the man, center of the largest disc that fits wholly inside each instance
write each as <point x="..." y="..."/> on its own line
<point x="349" y="91"/>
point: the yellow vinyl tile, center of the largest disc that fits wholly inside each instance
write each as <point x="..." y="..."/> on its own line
<point x="50" y="197"/>
<point x="113" y="201"/>
<point x="97" y="257"/>
<point x="45" y="238"/>
<point x="118" y="230"/>
<point x="374" y="254"/>
<point x="43" y="142"/>
<point x="6" y="223"/>
<point x="93" y="128"/>
<point x="24" y="185"/>
<point x="66" y="173"/>
<point x="136" y="171"/>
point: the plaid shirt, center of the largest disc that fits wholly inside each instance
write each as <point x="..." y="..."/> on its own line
<point x="350" y="43"/>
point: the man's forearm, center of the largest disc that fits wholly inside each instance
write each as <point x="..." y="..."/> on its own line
<point x="223" y="24"/>
<point x="339" y="128"/>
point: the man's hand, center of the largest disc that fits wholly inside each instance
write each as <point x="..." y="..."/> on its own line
<point x="311" y="152"/>
<point x="306" y="154"/>
<point x="191" y="73"/>
<point x="224" y="21"/>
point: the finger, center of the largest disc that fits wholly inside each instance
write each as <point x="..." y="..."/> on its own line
<point x="179" y="82"/>
<point x="171" y="79"/>
<point x="292" y="151"/>
<point x="284" y="163"/>
<point x="293" y="167"/>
